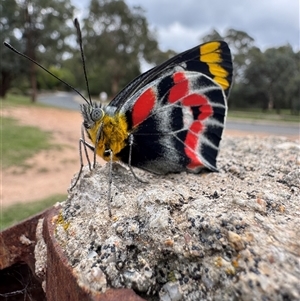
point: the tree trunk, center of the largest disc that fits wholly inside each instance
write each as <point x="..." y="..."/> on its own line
<point x="115" y="86"/>
<point x="270" y="100"/>
<point x="31" y="53"/>
<point x="6" y="79"/>
<point x="33" y="82"/>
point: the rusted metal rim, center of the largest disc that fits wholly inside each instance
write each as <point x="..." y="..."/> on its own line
<point x="61" y="283"/>
<point x="17" y="243"/>
<point x="17" y="261"/>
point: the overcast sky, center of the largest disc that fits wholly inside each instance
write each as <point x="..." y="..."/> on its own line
<point x="181" y="23"/>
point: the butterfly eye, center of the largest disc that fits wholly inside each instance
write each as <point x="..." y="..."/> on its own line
<point x="97" y="114"/>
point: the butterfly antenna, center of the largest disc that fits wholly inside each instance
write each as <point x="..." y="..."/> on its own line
<point x="79" y="36"/>
<point x="32" y="60"/>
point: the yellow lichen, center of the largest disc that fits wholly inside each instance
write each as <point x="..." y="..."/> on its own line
<point x="61" y="221"/>
<point x="172" y="277"/>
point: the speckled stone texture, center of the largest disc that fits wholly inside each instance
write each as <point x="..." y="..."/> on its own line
<point x="232" y="235"/>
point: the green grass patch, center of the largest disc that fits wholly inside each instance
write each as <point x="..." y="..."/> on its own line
<point x="257" y="114"/>
<point x="14" y="99"/>
<point x="19" y="142"/>
<point x="18" y="212"/>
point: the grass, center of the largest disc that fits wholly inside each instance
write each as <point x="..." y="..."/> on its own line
<point x="257" y="114"/>
<point x="18" y="212"/>
<point x="18" y="142"/>
<point x="13" y="99"/>
<point x="17" y="100"/>
<point x="21" y="142"/>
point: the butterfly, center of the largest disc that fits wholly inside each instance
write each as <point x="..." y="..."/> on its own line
<point x="169" y="119"/>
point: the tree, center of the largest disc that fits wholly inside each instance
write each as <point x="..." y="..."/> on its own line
<point x="273" y="73"/>
<point x="10" y="63"/>
<point x="115" y="38"/>
<point x="48" y="82"/>
<point x="41" y="28"/>
<point x="293" y="87"/>
<point x="213" y="35"/>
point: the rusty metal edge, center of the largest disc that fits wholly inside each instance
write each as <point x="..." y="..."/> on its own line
<point x="13" y="249"/>
<point x="61" y="283"/>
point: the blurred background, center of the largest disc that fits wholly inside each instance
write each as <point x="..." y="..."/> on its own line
<point x="121" y="39"/>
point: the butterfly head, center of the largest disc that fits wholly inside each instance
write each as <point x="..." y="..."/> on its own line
<point x="92" y="114"/>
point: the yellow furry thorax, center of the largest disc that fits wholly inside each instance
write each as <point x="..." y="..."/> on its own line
<point x="113" y="137"/>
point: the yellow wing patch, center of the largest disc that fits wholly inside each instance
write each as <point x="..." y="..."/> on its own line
<point x="211" y="54"/>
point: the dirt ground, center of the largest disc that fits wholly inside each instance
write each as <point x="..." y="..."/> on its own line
<point x="52" y="170"/>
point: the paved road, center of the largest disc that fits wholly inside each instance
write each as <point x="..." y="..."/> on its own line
<point x="70" y="101"/>
<point x="278" y="129"/>
<point x="61" y="100"/>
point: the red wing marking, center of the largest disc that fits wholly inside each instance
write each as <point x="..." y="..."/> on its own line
<point x="191" y="144"/>
<point x="195" y="163"/>
<point x="200" y="109"/>
<point x="179" y="77"/>
<point x="205" y="112"/>
<point x="194" y="132"/>
<point x="180" y="88"/>
<point x="143" y="106"/>
<point x="194" y="100"/>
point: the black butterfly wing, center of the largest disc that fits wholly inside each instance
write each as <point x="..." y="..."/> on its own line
<point x="176" y="122"/>
<point x="212" y="59"/>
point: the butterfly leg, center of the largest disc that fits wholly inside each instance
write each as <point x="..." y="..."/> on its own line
<point x="109" y="151"/>
<point x="85" y="146"/>
<point x="130" y="140"/>
<point x="98" y="136"/>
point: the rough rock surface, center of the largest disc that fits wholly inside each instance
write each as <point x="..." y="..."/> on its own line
<point x="232" y="235"/>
